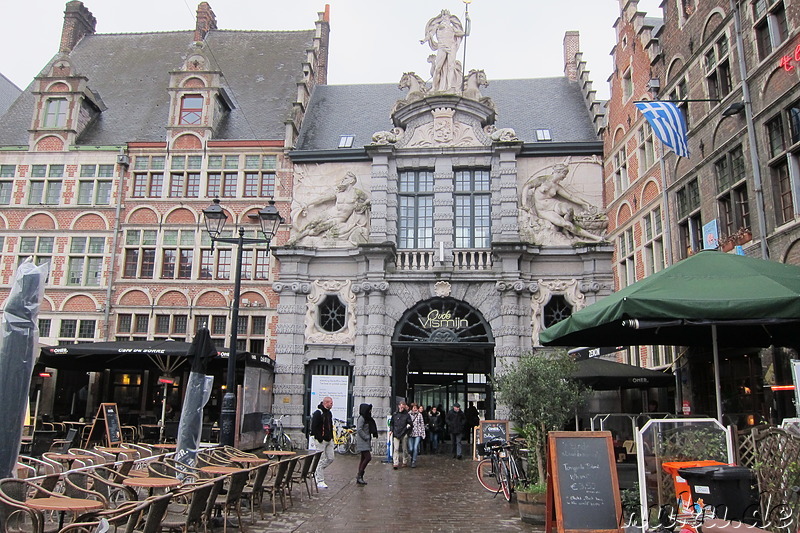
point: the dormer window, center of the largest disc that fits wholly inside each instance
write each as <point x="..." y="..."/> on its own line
<point x="191" y="109"/>
<point x="55" y="115"/>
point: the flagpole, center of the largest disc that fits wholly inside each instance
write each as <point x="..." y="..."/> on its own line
<point x="466" y="34"/>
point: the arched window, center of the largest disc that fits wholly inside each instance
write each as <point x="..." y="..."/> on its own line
<point x="191" y="109"/>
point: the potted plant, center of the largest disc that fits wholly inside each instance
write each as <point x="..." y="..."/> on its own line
<point x="541" y="397"/>
<point x="531" y="500"/>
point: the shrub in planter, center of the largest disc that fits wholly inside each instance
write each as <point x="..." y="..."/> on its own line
<point x="531" y="501"/>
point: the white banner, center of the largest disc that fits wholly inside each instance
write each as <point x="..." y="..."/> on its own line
<point x="333" y="386"/>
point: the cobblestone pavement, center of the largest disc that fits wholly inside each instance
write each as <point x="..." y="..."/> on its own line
<point x="440" y="494"/>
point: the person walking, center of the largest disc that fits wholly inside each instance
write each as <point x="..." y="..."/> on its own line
<point x="366" y="428"/>
<point x="401" y="428"/>
<point x="456" y="422"/>
<point x="473" y="419"/>
<point x="417" y="433"/>
<point x="435" y="428"/>
<point x="322" y="431"/>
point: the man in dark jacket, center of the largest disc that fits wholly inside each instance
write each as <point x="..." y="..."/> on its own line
<point x="401" y="429"/>
<point x="322" y="431"/>
<point x="436" y="428"/>
<point x="456" y="423"/>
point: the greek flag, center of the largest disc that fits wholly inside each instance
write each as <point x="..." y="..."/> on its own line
<point x="667" y="122"/>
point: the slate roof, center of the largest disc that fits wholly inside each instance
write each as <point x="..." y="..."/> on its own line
<point x="130" y="72"/>
<point x="524" y="104"/>
<point x="8" y="93"/>
<point x="655" y="22"/>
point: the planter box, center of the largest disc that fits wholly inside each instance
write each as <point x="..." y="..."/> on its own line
<point x="532" y="508"/>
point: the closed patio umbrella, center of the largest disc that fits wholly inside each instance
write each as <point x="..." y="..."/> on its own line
<point x="198" y="391"/>
<point x="19" y="336"/>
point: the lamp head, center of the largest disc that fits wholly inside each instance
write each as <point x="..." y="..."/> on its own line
<point x="733" y="109"/>
<point x="270" y="220"/>
<point x="215" y="218"/>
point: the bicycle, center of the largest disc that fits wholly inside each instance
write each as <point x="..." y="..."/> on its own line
<point x="499" y="472"/>
<point x="275" y="438"/>
<point x="344" y="438"/>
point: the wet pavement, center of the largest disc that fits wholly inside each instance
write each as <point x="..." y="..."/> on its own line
<point x="440" y="494"/>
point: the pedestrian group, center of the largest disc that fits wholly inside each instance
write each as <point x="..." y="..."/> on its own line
<point x="412" y="430"/>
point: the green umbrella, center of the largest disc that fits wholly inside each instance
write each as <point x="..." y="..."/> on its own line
<point x="709" y="299"/>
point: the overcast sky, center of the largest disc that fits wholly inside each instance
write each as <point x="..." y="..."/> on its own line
<point x="372" y="41"/>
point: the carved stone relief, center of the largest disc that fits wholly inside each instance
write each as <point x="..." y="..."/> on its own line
<point x="551" y="214"/>
<point x="319" y="290"/>
<point x="326" y="213"/>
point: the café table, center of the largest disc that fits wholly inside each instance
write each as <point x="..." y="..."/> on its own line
<point x="151" y="483"/>
<point x="116" y="450"/>
<point x="220" y="470"/>
<point x="163" y="447"/>
<point x="279" y="452"/>
<point x="248" y="460"/>
<point x="69" y="458"/>
<point x="62" y="505"/>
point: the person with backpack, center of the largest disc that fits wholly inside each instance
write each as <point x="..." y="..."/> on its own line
<point x="322" y="431"/>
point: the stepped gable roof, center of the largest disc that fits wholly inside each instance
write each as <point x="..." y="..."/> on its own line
<point x="131" y="72"/>
<point x="8" y="93"/>
<point x="523" y="104"/>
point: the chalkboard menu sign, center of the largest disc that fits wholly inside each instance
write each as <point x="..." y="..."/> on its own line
<point x="584" y="480"/>
<point x="493" y="429"/>
<point x="107" y="418"/>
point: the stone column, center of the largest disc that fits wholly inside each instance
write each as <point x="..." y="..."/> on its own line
<point x="289" y="388"/>
<point x="505" y="202"/>
<point x="443" y="215"/>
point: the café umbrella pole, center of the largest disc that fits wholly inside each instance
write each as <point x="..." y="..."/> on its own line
<point x="19" y="335"/>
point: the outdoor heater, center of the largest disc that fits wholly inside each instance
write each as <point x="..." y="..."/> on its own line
<point x="215" y="218"/>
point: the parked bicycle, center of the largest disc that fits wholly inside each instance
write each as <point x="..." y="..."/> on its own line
<point x="344" y="437"/>
<point x="275" y="438"/>
<point x="499" y="472"/>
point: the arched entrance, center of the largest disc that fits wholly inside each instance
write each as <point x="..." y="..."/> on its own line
<point x="442" y="353"/>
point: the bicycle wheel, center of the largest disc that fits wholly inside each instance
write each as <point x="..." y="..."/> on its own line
<point x="285" y="443"/>
<point x="340" y="445"/>
<point x="351" y="444"/>
<point x="505" y="480"/>
<point x="487" y="476"/>
<point x="514" y="477"/>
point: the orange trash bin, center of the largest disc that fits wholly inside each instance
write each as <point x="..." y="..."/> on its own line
<point x="683" y="493"/>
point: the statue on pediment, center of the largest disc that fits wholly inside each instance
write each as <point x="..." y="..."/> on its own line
<point x="444" y="34"/>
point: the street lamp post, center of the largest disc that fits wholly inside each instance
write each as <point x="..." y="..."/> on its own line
<point x="215" y="219"/>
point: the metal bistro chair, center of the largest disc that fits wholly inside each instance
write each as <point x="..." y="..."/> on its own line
<point x="303" y="474"/>
<point x="193" y="514"/>
<point x="254" y="490"/>
<point x="122" y="520"/>
<point x="275" y="488"/>
<point x="232" y="501"/>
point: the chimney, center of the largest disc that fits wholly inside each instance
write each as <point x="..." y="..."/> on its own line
<point x="572" y="45"/>
<point x="206" y="21"/>
<point x="78" y="21"/>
